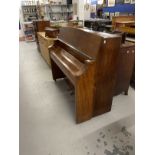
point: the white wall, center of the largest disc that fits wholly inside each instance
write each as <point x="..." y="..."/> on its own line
<point x="87" y="12"/>
<point x="81" y="12"/>
<point x="81" y="9"/>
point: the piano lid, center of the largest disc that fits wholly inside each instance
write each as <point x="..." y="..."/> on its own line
<point x="84" y="40"/>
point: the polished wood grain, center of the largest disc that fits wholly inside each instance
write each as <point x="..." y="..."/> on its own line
<point x="122" y="19"/>
<point x="106" y="71"/>
<point x="124" y="24"/>
<point x="39" y="26"/>
<point x="44" y="43"/>
<point x="125" y="68"/>
<point x="51" y="32"/>
<point x="89" y="61"/>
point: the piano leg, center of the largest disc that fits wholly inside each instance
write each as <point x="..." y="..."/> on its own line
<point x="56" y="72"/>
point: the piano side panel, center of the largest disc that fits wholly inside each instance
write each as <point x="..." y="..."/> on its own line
<point x="106" y="74"/>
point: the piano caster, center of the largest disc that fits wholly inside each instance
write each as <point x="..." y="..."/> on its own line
<point x="126" y="92"/>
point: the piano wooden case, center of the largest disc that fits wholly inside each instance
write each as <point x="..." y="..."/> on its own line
<point x="89" y="61"/>
<point x="39" y="26"/>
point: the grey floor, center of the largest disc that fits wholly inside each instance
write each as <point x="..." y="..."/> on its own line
<point x="47" y="116"/>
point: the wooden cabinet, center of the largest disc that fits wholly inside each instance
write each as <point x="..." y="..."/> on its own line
<point x="124" y="24"/>
<point x="44" y="43"/>
<point x="39" y="26"/>
<point x="125" y="68"/>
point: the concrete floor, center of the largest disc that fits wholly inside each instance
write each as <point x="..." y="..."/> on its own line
<point x="47" y="116"/>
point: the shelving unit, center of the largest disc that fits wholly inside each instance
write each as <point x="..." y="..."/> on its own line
<point x="53" y="10"/>
<point x="29" y="31"/>
<point x="59" y="12"/>
<point x="29" y="12"/>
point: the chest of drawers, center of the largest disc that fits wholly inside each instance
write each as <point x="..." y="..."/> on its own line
<point x="44" y="43"/>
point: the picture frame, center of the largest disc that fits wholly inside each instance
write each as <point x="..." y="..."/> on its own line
<point x="86" y="6"/>
<point x="127" y="1"/>
<point x="93" y="8"/>
<point x="111" y="3"/>
<point x="104" y="3"/>
<point x="132" y="2"/>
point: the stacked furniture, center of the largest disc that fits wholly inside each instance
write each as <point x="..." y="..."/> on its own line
<point x="44" y="43"/>
<point x="47" y="39"/>
<point x="51" y="32"/>
<point x="39" y="26"/>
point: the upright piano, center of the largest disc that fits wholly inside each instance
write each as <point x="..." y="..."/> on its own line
<point x="89" y="61"/>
